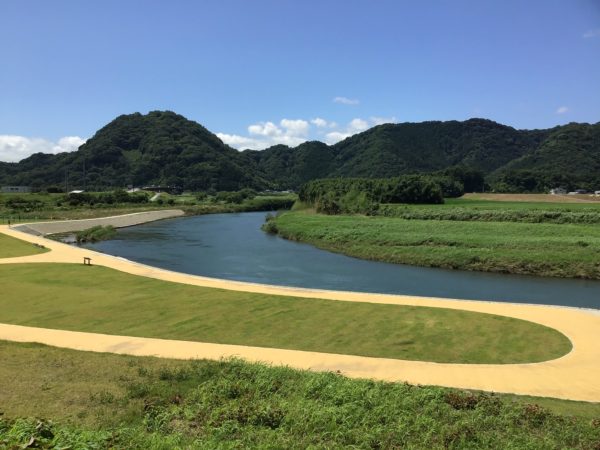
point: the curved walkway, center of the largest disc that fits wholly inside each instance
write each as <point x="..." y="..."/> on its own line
<point x="575" y="376"/>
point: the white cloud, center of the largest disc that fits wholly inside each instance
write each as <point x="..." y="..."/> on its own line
<point x="321" y="123"/>
<point x="358" y="125"/>
<point x="355" y="126"/>
<point x="591" y="33"/>
<point x="293" y="132"/>
<point x="295" y="127"/>
<point x="381" y="120"/>
<point x="346" y="101"/>
<point x="15" y="148"/>
<point x="264" y="129"/>
<point x="290" y="132"/>
<point x="562" y="110"/>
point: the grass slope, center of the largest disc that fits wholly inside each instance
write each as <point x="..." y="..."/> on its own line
<point x="11" y="247"/>
<point x="566" y="250"/>
<point x="98" y="299"/>
<point x="114" y="401"/>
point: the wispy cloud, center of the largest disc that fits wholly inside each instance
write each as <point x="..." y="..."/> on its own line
<point x="346" y="101"/>
<point x="15" y="148"/>
<point x="591" y="34"/>
<point x="562" y="110"/>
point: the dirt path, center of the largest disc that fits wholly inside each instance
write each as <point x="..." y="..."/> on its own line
<point x="575" y="376"/>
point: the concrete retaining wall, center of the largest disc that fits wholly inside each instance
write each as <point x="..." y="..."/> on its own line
<point x="126" y="220"/>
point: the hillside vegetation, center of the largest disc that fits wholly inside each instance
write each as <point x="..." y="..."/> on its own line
<point x="165" y="148"/>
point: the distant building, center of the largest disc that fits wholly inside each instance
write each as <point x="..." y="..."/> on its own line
<point x="558" y="191"/>
<point x="77" y="191"/>
<point x="15" y="189"/>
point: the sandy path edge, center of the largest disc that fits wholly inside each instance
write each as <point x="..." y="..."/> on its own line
<point x="575" y="376"/>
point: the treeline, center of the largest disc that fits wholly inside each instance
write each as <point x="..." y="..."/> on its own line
<point x="104" y="198"/>
<point x="365" y="195"/>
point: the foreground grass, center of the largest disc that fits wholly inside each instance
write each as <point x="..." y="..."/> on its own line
<point x="11" y="247"/>
<point x="522" y="248"/>
<point x="113" y="401"/>
<point x="97" y="299"/>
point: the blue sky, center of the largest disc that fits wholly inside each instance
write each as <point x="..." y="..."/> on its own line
<point x="263" y="72"/>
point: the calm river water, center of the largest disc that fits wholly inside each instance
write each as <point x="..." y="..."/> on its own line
<point x="232" y="246"/>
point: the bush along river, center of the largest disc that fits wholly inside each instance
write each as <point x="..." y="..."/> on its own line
<point x="232" y="246"/>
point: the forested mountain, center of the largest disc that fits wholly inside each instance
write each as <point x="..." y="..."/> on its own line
<point x="569" y="156"/>
<point x="157" y="148"/>
<point x="165" y="148"/>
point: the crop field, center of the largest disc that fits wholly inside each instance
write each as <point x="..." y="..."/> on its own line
<point x="430" y="238"/>
<point x="529" y="198"/>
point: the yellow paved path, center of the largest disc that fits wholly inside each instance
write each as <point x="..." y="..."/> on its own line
<point x="575" y="376"/>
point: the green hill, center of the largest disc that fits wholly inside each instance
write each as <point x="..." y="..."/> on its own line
<point x="165" y="148"/>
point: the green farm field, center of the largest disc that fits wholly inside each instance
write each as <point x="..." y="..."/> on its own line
<point x="74" y="297"/>
<point x="506" y="246"/>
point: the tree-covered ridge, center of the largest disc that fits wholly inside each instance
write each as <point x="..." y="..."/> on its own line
<point x="568" y="157"/>
<point x="165" y="148"/>
<point x="160" y="148"/>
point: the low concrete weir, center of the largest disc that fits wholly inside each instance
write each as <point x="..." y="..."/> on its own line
<point x="126" y="220"/>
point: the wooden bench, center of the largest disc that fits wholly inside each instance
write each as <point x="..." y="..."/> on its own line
<point x="87" y="261"/>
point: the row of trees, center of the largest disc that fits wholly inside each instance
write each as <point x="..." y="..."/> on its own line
<point x="364" y="195"/>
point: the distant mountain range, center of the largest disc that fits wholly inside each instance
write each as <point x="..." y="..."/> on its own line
<point x="165" y="148"/>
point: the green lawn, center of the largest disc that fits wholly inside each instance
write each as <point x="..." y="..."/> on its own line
<point x="565" y="250"/>
<point x="97" y="299"/>
<point x="11" y="247"/>
<point x="100" y="400"/>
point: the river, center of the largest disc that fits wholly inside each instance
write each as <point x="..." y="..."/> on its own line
<point x="232" y="246"/>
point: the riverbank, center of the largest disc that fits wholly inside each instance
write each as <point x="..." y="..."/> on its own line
<point x="120" y="221"/>
<point x="550" y="250"/>
<point x="573" y="376"/>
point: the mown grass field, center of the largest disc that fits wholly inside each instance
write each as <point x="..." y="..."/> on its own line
<point x="11" y="247"/>
<point x="112" y="401"/>
<point x="75" y="297"/>
<point x="559" y="250"/>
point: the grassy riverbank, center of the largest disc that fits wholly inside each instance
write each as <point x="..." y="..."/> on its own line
<point x="37" y="207"/>
<point x="11" y="247"/>
<point x="104" y="400"/>
<point x="73" y="297"/>
<point x="565" y="250"/>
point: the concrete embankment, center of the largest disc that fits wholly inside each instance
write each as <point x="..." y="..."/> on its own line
<point x="68" y="226"/>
